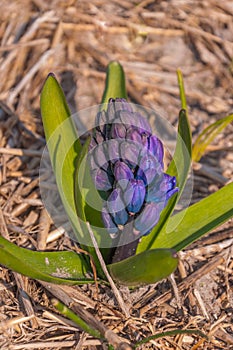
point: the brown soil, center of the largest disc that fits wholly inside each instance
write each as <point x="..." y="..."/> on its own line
<point x="76" y="40"/>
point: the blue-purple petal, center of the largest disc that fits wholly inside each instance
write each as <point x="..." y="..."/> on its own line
<point x="122" y="171"/>
<point x="156" y="196"/>
<point x="134" y="195"/>
<point x="171" y="193"/>
<point x="142" y="124"/>
<point x="148" y="168"/>
<point x="133" y="134"/>
<point x="122" y="105"/>
<point x="99" y="137"/>
<point x="170" y="181"/>
<point x="118" y="131"/>
<point x="113" y="150"/>
<point x="129" y="152"/>
<point x="99" y="155"/>
<point x="155" y="146"/>
<point x="116" y="207"/>
<point x="102" y="180"/>
<point x="171" y="185"/>
<point x="148" y="218"/>
<point x="108" y="221"/>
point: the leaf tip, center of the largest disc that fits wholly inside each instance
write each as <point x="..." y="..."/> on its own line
<point x="174" y="254"/>
<point x="51" y="74"/>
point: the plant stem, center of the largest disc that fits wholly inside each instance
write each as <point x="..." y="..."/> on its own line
<point x="126" y="245"/>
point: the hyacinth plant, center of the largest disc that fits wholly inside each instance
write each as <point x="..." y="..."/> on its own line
<point x="120" y="166"/>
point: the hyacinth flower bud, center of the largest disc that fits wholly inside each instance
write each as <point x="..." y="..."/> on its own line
<point x="146" y="220"/>
<point x="126" y="162"/>
<point x="118" y="131"/>
<point x="155" y="146"/>
<point x="134" y="195"/>
<point x="122" y="174"/>
<point x="116" y="207"/>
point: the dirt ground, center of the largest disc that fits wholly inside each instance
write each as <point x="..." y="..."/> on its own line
<point x="76" y="40"/>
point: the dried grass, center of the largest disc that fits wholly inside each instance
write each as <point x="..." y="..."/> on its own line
<point x="76" y="40"/>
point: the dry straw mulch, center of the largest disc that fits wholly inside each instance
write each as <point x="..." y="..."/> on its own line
<point x="76" y="40"/>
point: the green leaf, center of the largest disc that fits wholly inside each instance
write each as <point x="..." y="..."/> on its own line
<point x="63" y="145"/>
<point x="65" y="311"/>
<point x="181" y="160"/>
<point x="86" y="194"/>
<point x="179" y="167"/>
<point x="115" y="83"/>
<point x="80" y="172"/>
<point x="208" y="135"/>
<point x="83" y="188"/>
<point x="57" y="267"/>
<point x="170" y="334"/>
<point x="145" y="268"/>
<point x="198" y="219"/>
<point x="182" y="90"/>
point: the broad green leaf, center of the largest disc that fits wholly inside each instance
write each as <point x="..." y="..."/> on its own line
<point x="208" y="135"/>
<point x="115" y="83"/>
<point x="79" y="196"/>
<point x="198" y="219"/>
<point x="145" y="268"/>
<point x="63" y="145"/>
<point x="64" y="267"/>
<point x="83" y="188"/>
<point x="179" y="167"/>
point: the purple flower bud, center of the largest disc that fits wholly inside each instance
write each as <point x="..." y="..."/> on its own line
<point x="116" y="207"/>
<point x="129" y="152"/>
<point x="118" y="131"/>
<point x="122" y="105"/>
<point x="113" y="150"/>
<point x="136" y="121"/>
<point x="125" y="118"/>
<point x="100" y="156"/>
<point x="142" y="124"/>
<point x="170" y="182"/>
<point x="122" y="174"/>
<point x="156" y="148"/>
<point x="102" y="180"/>
<point x="133" y="134"/>
<point x="122" y="171"/>
<point x="148" y="168"/>
<point x="108" y="221"/>
<point x="99" y="137"/>
<point x="157" y="191"/>
<point x="115" y="107"/>
<point x="134" y="195"/>
<point x="148" y="218"/>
